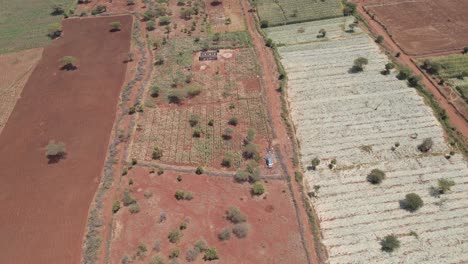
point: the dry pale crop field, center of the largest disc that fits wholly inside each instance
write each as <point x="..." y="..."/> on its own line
<point x="356" y="118"/>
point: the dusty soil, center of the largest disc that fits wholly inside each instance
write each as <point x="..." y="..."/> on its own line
<point x="274" y="235"/>
<point x="219" y="15"/>
<point x="112" y="6"/>
<point x="455" y="117"/>
<point x="424" y="26"/>
<point x="16" y="69"/>
<point x="46" y="205"/>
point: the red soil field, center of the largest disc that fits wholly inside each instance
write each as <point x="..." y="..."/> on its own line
<point x="424" y="26"/>
<point x="45" y="206"/>
<point x="274" y="235"/>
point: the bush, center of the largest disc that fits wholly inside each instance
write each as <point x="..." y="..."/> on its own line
<point x="165" y="20"/>
<point x="258" y="189"/>
<point x="240" y="230"/>
<point x="57" y="9"/>
<point x="68" y="62"/>
<point x="200" y="245"/>
<point x="193" y="120"/>
<point x="192" y="254"/>
<point x="376" y="176"/>
<point x="196" y="133"/>
<point x="193" y="90"/>
<point x="174" y="236"/>
<point x="227" y="135"/>
<point x="156" y="259"/>
<point x="115" y="207"/>
<point x="431" y="67"/>
<point x="315" y="162"/>
<point x="269" y="42"/>
<point x="358" y="64"/>
<point x="199" y="170"/>
<point x="183" y="195"/>
<point x="54" y="30"/>
<point x="150" y="25"/>
<point x="426" y="145"/>
<point x="226" y="162"/>
<point x="322" y="33"/>
<point x="444" y="185"/>
<point x="157" y="153"/>
<point x="465" y="50"/>
<point x="233" y="121"/>
<point x="141" y="250"/>
<point x="225" y="234"/>
<point x="115" y="26"/>
<point x="134" y="208"/>
<point x="250" y="136"/>
<point x="379" y="39"/>
<point x="99" y="10"/>
<point x="388" y="67"/>
<point x="404" y="74"/>
<point x="176" y="96"/>
<point x="264" y="23"/>
<point x="55" y="150"/>
<point x="412" y="202"/>
<point x="154" y="91"/>
<point x="298" y="176"/>
<point x="349" y="8"/>
<point x="413" y="81"/>
<point x="390" y="243"/>
<point x="250" y="152"/>
<point x="210" y="254"/>
<point x="174" y="253"/>
<point x="234" y="215"/>
<point x="241" y="176"/>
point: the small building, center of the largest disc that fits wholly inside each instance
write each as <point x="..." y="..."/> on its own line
<point x="208" y="55"/>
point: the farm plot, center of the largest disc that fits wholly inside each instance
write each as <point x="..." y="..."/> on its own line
<point x="16" y="69"/>
<point x="281" y="12"/>
<point x="23" y="23"/>
<point x="424" y="26"/>
<point x="273" y="231"/>
<point x="168" y="128"/>
<point x="454" y="68"/>
<point x="367" y="121"/>
<point x="226" y="17"/>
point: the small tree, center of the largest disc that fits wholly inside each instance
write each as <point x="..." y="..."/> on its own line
<point x="264" y="23"/>
<point x="164" y="20"/>
<point x="241" y="176"/>
<point x="250" y="136"/>
<point x="99" y="10"/>
<point x="174" y="253"/>
<point x="174" y="236"/>
<point x="128" y="198"/>
<point x="358" y="64"/>
<point x="315" y="162"/>
<point x="379" y="39"/>
<point x="251" y="152"/>
<point x="388" y="67"/>
<point x="157" y="153"/>
<point x="234" y="215"/>
<point x="390" y="243"/>
<point x="68" y="63"/>
<point x="225" y="234"/>
<point x="55" y="150"/>
<point x="414" y="80"/>
<point x="426" y="145"/>
<point x="233" y="121"/>
<point x="376" y="176"/>
<point x="115" y="26"/>
<point x="193" y="120"/>
<point x="54" y="30"/>
<point x="150" y="25"/>
<point x="465" y="50"/>
<point x="322" y="33"/>
<point x="349" y="8"/>
<point x="115" y="207"/>
<point x="444" y="185"/>
<point x="176" y="96"/>
<point x="199" y="170"/>
<point x="57" y="9"/>
<point x="404" y="74"/>
<point x="154" y="91"/>
<point x="258" y="189"/>
<point x="241" y="230"/>
<point x="210" y="254"/>
<point x="183" y="195"/>
<point x="412" y="202"/>
<point x="227" y="134"/>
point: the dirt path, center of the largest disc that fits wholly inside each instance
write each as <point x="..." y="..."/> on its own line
<point x="281" y="139"/>
<point x="456" y="118"/>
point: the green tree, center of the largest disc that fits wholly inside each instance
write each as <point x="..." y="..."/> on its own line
<point x="359" y="64"/>
<point x="390" y="243"/>
<point x="412" y="202"/>
<point x="210" y="254"/>
<point x="258" y="189"/>
<point x="54" y="30"/>
<point x="115" y="26"/>
<point x="68" y="62"/>
<point x="444" y="185"/>
<point x="376" y="176"/>
<point x="55" y="150"/>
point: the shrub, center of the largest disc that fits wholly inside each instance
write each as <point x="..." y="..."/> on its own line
<point x="233" y="121"/>
<point x="193" y="90"/>
<point x="174" y="236"/>
<point x="414" y="80"/>
<point x="388" y="67"/>
<point x="234" y="215"/>
<point x="55" y="150"/>
<point x="192" y="254"/>
<point x="115" y="207"/>
<point x="225" y="234"/>
<point x="240" y="230"/>
<point x="226" y="162"/>
<point x="183" y="195"/>
<point x="99" y="10"/>
<point x="174" y="253"/>
<point x="264" y="23"/>
<point x="154" y="91"/>
<point x="404" y="74"/>
<point x="115" y="26"/>
<point x="199" y="170"/>
<point x="227" y="135"/>
<point x="376" y="176"/>
<point x="183" y="225"/>
<point x="426" y="145"/>
<point x="130" y="2"/>
<point x="250" y="152"/>
<point x="54" y="30"/>
<point x="250" y="136"/>
<point x="211" y="122"/>
<point x="128" y="198"/>
<point x="322" y="33"/>
<point x="150" y="25"/>
<point x="349" y="8"/>
<point x="201" y="245"/>
<point x="358" y="64"/>
<point x="164" y="20"/>
<point x="68" y="62"/>
<point x="379" y="39"/>
<point x="176" y="96"/>
<point x="390" y="243"/>
<point x="298" y="176"/>
<point x="196" y="133"/>
<point x="141" y="250"/>
<point x="258" y="189"/>
<point x="444" y="185"/>
<point x="157" y="153"/>
<point x="193" y="120"/>
<point x="156" y="259"/>
<point x="134" y="208"/>
<point x="210" y="254"/>
<point x="465" y="50"/>
<point x="241" y="176"/>
<point x="57" y="9"/>
<point x="431" y="67"/>
<point x="315" y="162"/>
<point x="269" y="42"/>
<point x="412" y="202"/>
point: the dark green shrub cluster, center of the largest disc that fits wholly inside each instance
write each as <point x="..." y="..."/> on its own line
<point x="376" y="176"/>
<point x="412" y="202"/>
<point x="390" y="243"/>
<point x="183" y="195"/>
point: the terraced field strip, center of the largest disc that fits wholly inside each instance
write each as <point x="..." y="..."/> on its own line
<point x="168" y="128"/>
<point x="356" y="118"/>
<point x="281" y="12"/>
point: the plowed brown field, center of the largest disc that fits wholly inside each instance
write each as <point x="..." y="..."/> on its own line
<point x="423" y="26"/>
<point x="45" y="206"/>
